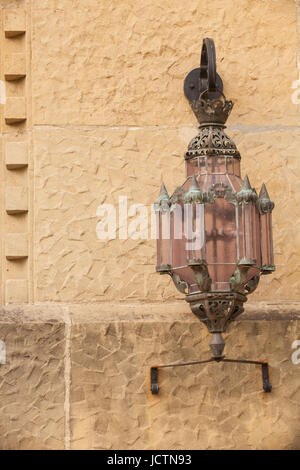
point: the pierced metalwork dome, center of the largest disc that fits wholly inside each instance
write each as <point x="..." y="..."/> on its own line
<point x="211" y="140"/>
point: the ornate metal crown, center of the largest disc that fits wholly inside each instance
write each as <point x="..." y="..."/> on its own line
<point x="212" y="111"/>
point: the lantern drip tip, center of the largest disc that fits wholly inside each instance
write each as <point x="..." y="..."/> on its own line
<point x="217" y="345"/>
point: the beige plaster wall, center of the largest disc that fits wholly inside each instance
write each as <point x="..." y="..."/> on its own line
<point x="95" y="110"/>
<point x="78" y="377"/>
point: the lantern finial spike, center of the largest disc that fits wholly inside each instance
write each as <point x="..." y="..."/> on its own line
<point x="163" y="199"/>
<point x="163" y="195"/>
<point x="194" y="193"/>
<point x="246" y="183"/>
<point x="246" y="194"/>
<point x="264" y="202"/>
<point x="194" y="186"/>
<point x="263" y="192"/>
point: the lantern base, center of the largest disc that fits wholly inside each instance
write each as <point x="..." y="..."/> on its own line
<point x="217" y="345"/>
<point x="216" y="309"/>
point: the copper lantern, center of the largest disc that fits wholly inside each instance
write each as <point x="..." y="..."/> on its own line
<point x="214" y="231"/>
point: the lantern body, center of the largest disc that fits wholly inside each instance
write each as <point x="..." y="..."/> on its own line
<point x="214" y="232"/>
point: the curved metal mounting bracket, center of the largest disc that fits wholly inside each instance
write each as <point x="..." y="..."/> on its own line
<point x="267" y="387"/>
<point x="201" y="274"/>
<point x="238" y="280"/>
<point x="180" y="285"/>
<point x="205" y="77"/>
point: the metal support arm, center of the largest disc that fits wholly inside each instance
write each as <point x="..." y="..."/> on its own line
<point x="267" y="387"/>
<point x="204" y="78"/>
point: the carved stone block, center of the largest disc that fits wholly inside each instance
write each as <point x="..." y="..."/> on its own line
<point x="14" y="22"/>
<point x="16" y="155"/>
<point x="16" y="246"/>
<point x="16" y="200"/>
<point x="14" y="66"/>
<point x="15" y="110"/>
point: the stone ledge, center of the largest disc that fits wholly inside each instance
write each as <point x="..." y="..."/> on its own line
<point x="136" y="312"/>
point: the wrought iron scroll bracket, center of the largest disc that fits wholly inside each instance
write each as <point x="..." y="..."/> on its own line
<point x="267" y="387"/>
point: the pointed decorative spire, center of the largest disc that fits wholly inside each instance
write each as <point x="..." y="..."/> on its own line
<point x="246" y="194"/>
<point x="163" y="195"/>
<point x="263" y="194"/>
<point x="194" y="193"/>
<point x="264" y="202"/>
<point x="194" y="186"/>
<point x="246" y="184"/>
<point x="163" y="200"/>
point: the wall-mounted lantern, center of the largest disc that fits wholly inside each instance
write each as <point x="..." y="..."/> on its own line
<point x="214" y="231"/>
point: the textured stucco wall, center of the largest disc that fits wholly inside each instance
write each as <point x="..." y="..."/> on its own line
<point x="78" y="377"/>
<point x="106" y="117"/>
<point x="95" y="110"/>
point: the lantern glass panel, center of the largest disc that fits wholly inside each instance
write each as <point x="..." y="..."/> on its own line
<point x="247" y="231"/>
<point x="178" y="238"/>
<point x="240" y="229"/>
<point x="237" y="167"/>
<point x="236" y="183"/>
<point x="229" y="165"/>
<point x="270" y="240"/>
<point x="266" y="238"/>
<point x="186" y="274"/>
<point x="257" y="238"/>
<point x="221" y="248"/>
<point x="192" y="167"/>
<point x="194" y="226"/>
<point x="165" y="238"/>
<point x="158" y="237"/>
<point x="202" y="165"/>
<point x="216" y="165"/>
